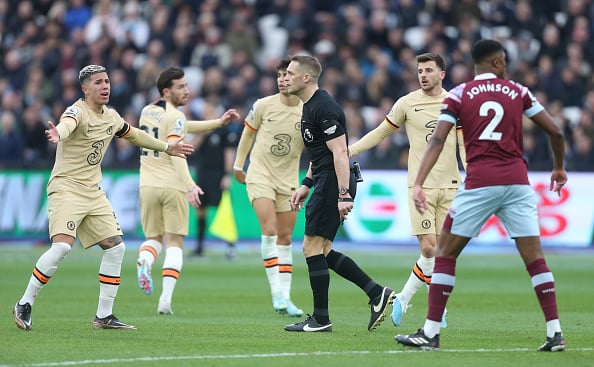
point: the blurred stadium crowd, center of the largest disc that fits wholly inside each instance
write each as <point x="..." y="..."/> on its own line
<point x="229" y="48"/>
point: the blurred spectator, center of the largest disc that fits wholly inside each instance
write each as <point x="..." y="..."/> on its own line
<point x="212" y="52"/>
<point x="384" y="156"/>
<point x="537" y="151"/>
<point x="242" y="38"/>
<point x="11" y="141"/>
<point x="551" y="41"/>
<point x="182" y="45"/>
<point x="228" y="48"/>
<point x="134" y="30"/>
<point x="159" y="27"/>
<point x="524" y="19"/>
<point x="298" y="19"/>
<point x="77" y="15"/>
<point x="581" y="155"/>
<point x="356" y="126"/>
<point x="121" y="92"/>
<point x="35" y="144"/>
<point x="14" y="69"/>
<point x="104" y="22"/>
<point x="572" y="88"/>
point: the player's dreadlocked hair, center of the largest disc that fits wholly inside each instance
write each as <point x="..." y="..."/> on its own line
<point x="86" y="72"/>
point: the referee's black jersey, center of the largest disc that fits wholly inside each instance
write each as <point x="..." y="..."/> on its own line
<point x="322" y="120"/>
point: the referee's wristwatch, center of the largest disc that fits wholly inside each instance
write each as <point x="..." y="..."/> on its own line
<point x="343" y="190"/>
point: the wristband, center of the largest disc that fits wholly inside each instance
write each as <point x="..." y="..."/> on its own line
<point x="166" y="147"/>
<point x="346" y="200"/>
<point x="237" y="168"/>
<point x="307" y="182"/>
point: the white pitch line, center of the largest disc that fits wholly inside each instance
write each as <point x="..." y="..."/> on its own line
<point x="271" y="355"/>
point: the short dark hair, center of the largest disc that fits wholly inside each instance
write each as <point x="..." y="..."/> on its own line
<point x="86" y="72"/>
<point x="430" y="56"/>
<point x="166" y="77"/>
<point x="282" y="64"/>
<point x="484" y="49"/>
<point x="310" y="63"/>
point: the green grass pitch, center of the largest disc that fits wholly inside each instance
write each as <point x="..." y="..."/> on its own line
<point x="224" y="316"/>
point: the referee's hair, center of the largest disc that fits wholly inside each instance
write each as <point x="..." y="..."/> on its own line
<point x="166" y="77"/>
<point x="309" y="63"/>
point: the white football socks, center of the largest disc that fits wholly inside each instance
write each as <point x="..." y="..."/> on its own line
<point x="269" y="251"/>
<point x="45" y="268"/>
<point x="285" y="270"/>
<point x="109" y="278"/>
<point x="425" y="264"/>
<point x="172" y="265"/>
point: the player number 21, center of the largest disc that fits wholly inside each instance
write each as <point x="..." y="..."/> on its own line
<point x="145" y="128"/>
<point x="489" y="133"/>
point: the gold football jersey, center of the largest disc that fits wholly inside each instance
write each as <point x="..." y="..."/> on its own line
<point x="278" y="145"/>
<point x="418" y="113"/>
<point x="161" y="120"/>
<point x="79" y="157"/>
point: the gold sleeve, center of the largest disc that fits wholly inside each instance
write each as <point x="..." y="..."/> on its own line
<point x="243" y="148"/>
<point x="66" y="127"/>
<point x="195" y="126"/>
<point x="372" y="138"/>
<point x="181" y="167"/>
<point x="142" y="139"/>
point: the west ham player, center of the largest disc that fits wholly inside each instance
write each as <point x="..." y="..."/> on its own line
<point x="490" y="110"/>
<point x="418" y="112"/>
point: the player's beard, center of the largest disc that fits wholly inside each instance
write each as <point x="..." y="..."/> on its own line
<point x="179" y="101"/>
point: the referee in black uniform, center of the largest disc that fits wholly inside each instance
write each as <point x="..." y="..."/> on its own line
<point x="323" y="129"/>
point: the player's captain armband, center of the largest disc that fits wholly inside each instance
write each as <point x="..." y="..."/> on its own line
<point x="65" y="128"/>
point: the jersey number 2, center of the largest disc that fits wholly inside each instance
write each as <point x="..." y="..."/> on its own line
<point x="489" y="133"/>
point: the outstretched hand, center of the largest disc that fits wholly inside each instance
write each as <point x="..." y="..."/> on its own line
<point x="52" y="133"/>
<point x="178" y="148"/>
<point x="229" y="115"/>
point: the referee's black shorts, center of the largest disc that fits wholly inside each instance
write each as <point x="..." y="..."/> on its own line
<point x="321" y="212"/>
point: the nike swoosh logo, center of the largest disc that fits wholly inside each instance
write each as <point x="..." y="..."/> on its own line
<point x="419" y="109"/>
<point x="308" y="328"/>
<point x="378" y="307"/>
